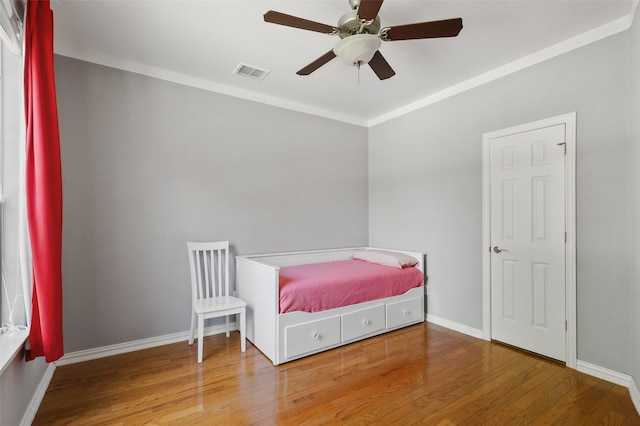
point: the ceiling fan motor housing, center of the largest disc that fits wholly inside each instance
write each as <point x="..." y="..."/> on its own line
<point x="349" y="24"/>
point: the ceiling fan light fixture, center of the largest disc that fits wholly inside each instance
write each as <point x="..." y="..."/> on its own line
<point x="358" y="48"/>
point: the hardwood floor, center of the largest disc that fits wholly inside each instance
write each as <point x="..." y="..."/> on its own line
<point x="423" y="374"/>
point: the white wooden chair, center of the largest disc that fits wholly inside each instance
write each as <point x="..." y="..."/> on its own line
<point x="209" y="265"/>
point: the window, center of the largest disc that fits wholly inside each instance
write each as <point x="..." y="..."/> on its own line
<point x="10" y="109"/>
<point x="12" y="301"/>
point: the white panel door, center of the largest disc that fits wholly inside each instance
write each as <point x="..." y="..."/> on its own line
<point x="528" y="240"/>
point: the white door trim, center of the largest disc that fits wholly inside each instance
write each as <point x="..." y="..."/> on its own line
<point x="570" y="208"/>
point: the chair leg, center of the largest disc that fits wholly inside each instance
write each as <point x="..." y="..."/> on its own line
<point x="200" y="337"/>
<point x="243" y="331"/>
<point x="193" y="326"/>
<point x="227" y="321"/>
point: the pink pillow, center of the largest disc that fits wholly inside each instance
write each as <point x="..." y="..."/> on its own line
<point x="388" y="258"/>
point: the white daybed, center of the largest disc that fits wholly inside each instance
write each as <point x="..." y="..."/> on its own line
<point x="293" y="335"/>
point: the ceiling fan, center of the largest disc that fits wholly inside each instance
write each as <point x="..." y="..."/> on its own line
<point x="361" y="35"/>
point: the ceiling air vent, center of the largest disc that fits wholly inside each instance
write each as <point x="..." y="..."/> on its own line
<point x="251" y="72"/>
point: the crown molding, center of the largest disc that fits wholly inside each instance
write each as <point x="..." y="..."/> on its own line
<point x="558" y="49"/>
<point x="568" y="45"/>
<point x="199" y="83"/>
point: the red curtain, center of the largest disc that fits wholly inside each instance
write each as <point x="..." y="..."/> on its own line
<point x="43" y="183"/>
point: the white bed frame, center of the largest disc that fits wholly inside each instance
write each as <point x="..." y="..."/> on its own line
<point x="285" y="337"/>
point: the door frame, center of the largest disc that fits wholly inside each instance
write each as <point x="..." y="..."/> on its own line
<point x="569" y="120"/>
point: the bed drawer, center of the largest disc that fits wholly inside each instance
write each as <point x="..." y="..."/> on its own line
<point x="311" y="336"/>
<point x="362" y="322"/>
<point x="404" y="312"/>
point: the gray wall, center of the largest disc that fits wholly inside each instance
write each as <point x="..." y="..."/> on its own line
<point x="635" y="169"/>
<point x="148" y="165"/>
<point x="425" y="188"/>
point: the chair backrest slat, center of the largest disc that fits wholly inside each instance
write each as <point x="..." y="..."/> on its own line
<point x="200" y="264"/>
<point x="219" y="280"/>
<point x="209" y="265"/>
<point x="212" y="269"/>
<point x="208" y="273"/>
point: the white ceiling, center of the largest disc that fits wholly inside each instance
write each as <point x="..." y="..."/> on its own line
<point x="201" y="43"/>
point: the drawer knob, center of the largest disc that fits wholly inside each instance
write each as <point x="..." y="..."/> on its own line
<point x="366" y="322"/>
<point x="406" y="312"/>
<point x="316" y="335"/>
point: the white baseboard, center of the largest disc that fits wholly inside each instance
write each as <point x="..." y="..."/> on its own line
<point x="461" y="328"/>
<point x="613" y="377"/>
<point x="121" y="348"/>
<point x="36" y="400"/>
<point x="604" y="373"/>
<point x="635" y="394"/>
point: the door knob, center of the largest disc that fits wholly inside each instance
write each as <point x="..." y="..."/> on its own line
<point x="497" y="249"/>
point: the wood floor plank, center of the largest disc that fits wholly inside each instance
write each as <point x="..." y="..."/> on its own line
<point x="423" y="374"/>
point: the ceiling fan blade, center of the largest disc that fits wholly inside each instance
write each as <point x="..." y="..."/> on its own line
<point x="317" y="63"/>
<point x="381" y="67"/>
<point x="433" y="29"/>
<point x="293" y="21"/>
<point x="368" y="9"/>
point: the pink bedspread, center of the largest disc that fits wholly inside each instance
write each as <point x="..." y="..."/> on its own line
<point x="320" y="286"/>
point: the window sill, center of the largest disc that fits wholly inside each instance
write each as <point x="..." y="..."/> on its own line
<point x="10" y="345"/>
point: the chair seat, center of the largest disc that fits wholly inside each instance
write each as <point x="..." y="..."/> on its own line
<point x="221" y="303"/>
